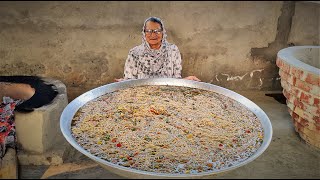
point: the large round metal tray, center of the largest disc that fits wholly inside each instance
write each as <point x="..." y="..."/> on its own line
<point x="72" y="108"/>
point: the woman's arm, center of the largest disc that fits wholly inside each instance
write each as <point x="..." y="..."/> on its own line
<point x="16" y="91"/>
<point x="129" y="69"/>
<point x="177" y="61"/>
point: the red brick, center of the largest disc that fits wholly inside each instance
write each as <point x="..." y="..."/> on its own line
<point x="294" y="100"/>
<point x="285" y="85"/>
<point x="295" y="116"/>
<point x="303" y="121"/>
<point x="313" y="79"/>
<point x="316" y="102"/>
<point x="283" y="75"/>
<point x="294" y="92"/>
<point x="302" y="85"/>
<point x="310" y="88"/>
<point x="304" y="97"/>
<point x="303" y="114"/>
<point x="309" y="99"/>
<point x="298" y="126"/>
<point x="290" y="106"/>
<point x="313" y="127"/>
<point x="287" y="77"/>
<point x="316" y="119"/>
<point x="283" y="65"/>
<point x="286" y="93"/>
<point x="310" y="114"/>
<point x="312" y="109"/>
<point x="290" y="89"/>
<point x="301" y="124"/>
<point x="311" y="123"/>
<point x="299" y="104"/>
<point x="315" y="90"/>
<point x="298" y="92"/>
<point x="298" y="73"/>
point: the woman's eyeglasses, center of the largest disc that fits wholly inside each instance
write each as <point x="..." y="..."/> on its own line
<point x="150" y="31"/>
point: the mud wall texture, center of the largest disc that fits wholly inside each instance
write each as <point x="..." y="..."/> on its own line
<point x="85" y="44"/>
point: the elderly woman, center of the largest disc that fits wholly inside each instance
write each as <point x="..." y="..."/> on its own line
<point x="155" y="57"/>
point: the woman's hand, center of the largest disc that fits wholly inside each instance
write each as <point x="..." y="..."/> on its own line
<point x="118" y="80"/>
<point x="192" y="78"/>
<point x="16" y="90"/>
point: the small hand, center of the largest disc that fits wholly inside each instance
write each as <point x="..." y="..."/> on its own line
<point x="118" y="80"/>
<point x="194" y="78"/>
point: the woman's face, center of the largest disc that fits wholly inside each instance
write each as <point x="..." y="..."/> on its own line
<point x="154" y="36"/>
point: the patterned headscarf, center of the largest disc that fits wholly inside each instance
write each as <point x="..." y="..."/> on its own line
<point x="164" y="42"/>
<point x="152" y="62"/>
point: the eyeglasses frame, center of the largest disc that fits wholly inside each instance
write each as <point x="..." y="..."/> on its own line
<point x="155" y="31"/>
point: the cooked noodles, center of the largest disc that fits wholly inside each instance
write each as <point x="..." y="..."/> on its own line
<point x="168" y="129"/>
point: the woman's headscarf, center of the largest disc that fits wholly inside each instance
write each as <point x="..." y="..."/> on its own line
<point x="144" y="62"/>
<point x="152" y="61"/>
<point x="164" y="42"/>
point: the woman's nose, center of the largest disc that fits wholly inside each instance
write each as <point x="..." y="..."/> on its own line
<point x="153" y="34"/>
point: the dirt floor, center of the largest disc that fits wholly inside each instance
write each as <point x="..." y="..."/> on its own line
<point x="287" y="157"/>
